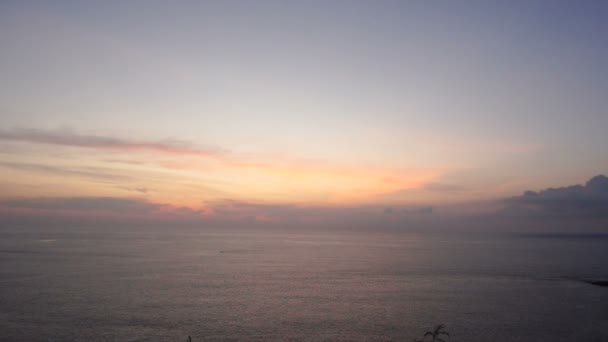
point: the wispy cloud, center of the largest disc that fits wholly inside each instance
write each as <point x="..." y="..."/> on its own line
<point x="67" y="172"/>
<point x="256" y="176"/>
<point x="141" y="190"/>
<point x="445" y="187"/>
<point x="68" y="138"/>
<point x="252" y="177"/>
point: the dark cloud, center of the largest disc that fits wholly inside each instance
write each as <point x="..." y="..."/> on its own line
<point x="576" y="201"/>
<point x="426" y="210"/>
<point x="84" y="204"/>
<point x="100" y="212"/>
<point x="68" y="138"/>
<point x="418" y="210"/>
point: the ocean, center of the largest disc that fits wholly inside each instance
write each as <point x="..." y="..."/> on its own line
<point x="140" y="284"/>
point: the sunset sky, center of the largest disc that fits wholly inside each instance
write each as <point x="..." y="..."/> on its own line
<point x="194" y="105"/>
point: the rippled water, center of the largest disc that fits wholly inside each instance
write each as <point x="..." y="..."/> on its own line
<point x="141" y="285"/>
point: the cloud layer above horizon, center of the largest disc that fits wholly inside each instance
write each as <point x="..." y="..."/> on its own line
<point x="575" y="207"/>
<point x="577" y="201"/>
<point x="271" y="110"/>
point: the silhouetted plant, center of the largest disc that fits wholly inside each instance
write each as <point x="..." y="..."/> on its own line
<point x="435" y="334"/>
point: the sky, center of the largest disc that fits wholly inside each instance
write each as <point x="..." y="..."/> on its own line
<point x="255" y="108"/>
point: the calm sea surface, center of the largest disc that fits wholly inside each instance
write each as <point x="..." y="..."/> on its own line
<point x="254" y="285"/>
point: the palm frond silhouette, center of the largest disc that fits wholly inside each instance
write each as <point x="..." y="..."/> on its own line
<point x="435" y="334"/>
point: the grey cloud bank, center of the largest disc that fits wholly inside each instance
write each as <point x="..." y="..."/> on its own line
<point x="587" y="201"/>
